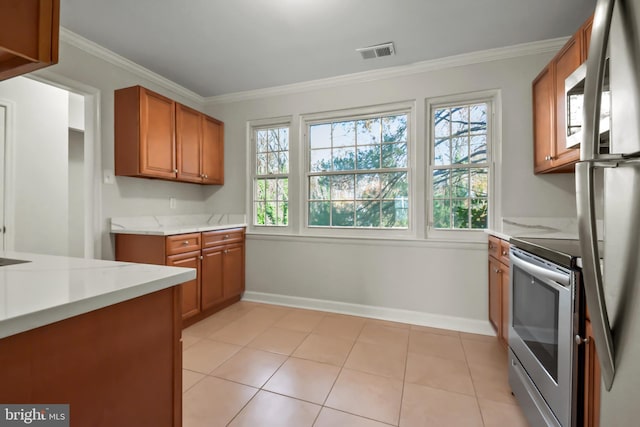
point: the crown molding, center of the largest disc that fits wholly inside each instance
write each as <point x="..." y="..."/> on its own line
<point x="508" y="52"/>
<point x="105" y="54"/>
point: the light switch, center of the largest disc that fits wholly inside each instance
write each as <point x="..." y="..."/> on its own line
<point x="172" y="202"/>
<point x="108" y="177"/>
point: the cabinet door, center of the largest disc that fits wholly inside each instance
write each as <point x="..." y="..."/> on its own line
<point x="212" y="151"/>
<point x="504" y="304"/>
<point x="188" y="143"/>
<point x="157" y="135"/>
<point x="543" y="119"/>
<point x="233" y="270"/>
<point x="212" y="290"/>
<point x="191" y="289"/>
<point x="567" y="61"/>
<point x="28" y="35"/>
<point x="495" y="283"/>
<point x="591" y="380"/>
<point x="586" y="37"/>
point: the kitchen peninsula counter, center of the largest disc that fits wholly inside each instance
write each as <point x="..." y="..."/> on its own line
<point x="50" y="288"/>
<point x="103" y="337"/>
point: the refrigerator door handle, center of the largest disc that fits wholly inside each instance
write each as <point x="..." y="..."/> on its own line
<point x="590" y="146"/>
<point x="591" y="272"/>
<point x="585" y="197"/>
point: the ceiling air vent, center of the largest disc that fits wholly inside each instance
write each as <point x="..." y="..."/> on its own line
<point x="377" y="51"/>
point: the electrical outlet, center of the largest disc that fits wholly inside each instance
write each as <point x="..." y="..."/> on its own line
<point x="108" y="177"/>
<point x="172" y="202"/>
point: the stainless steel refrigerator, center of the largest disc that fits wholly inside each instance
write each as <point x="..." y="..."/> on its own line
<point x="613" y="285"/>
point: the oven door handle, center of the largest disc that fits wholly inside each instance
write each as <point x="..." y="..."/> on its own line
<point x="540" y="272"/>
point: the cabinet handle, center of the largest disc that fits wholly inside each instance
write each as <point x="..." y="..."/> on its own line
<point x="504" y="253"/>
<point x="201" y="257"/>
<point x="490" y="246"/>
<point x="226" y="236"/>
<point x="579" y="340"/>
<point x="226" y="251"/>
<point x="185" y="243"/>
<point x="175" y="171"/>
<point x="497" y="270"/>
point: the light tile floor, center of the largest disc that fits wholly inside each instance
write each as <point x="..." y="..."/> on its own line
<point x="265" y="365"/>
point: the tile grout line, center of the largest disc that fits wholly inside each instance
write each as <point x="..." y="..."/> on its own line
<point x="473" y="383"/>
<point x="338" y="376"/>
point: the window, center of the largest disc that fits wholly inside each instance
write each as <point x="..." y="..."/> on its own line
<point x="271" y="176"/>
<point x="357" y="172"/>
<point x="460" y="165"/>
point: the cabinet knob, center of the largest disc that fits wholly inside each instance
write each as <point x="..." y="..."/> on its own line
<point x="504" y="253"/>
<point x="497" y="270"/>
<point x="185" y="243"/>
<point x="206" y="176"/>
<point x="175" y="171"/>
<point x="226" y="236"/>
<point x="490" y="246"/>
<point x="226" y="251"/>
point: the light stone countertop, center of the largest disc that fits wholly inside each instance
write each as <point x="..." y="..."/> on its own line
<point x="176" y="224"/>
<point x="52" y="288"/>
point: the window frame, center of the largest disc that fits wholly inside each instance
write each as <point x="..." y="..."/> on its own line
<point x="306" y="121"/>
<point x="252" y="128"/>
<point x="494" y="112"/>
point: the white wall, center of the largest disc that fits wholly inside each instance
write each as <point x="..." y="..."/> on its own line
<point x="76" y="192"/>
<point x="444" y="279"/>
<point x="39" y="164"/>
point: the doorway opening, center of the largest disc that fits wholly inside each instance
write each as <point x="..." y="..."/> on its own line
<point x="49" y="197"/>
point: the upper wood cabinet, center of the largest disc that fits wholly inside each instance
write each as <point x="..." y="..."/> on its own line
<point x="28" y="35"/>
<point x="549" y="106"/>
<point x="156" y="137"/>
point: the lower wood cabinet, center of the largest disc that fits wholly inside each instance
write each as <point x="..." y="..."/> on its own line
<point x="499" y="288"/>
<point x="190" y="290"/>
<point x="217" y="256"/>
<point x="592" y="381"/>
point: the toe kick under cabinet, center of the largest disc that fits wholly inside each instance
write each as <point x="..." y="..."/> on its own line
<point x="218" y="257"/>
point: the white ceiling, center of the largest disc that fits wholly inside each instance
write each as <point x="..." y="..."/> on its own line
<point x="216" y="47"/>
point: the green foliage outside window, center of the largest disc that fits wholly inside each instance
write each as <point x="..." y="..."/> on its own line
<point x="358" y="173"/>
<point x="460" y="169"/>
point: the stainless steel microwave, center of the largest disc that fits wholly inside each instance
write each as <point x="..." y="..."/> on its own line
<point x="574" y="96"/>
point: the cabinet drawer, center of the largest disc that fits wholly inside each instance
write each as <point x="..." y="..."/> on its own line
<point x="222" y="237"/>
<point x="494" y="247"/>
<point x="181" y="243"/>
<point x="504" y="252"/>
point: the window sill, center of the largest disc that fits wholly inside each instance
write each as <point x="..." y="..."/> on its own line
<point x="372" y="241"/>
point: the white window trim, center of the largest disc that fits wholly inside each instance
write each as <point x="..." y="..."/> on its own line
<point x="494" y="149"/>
<point x="408" y="107"/>
<point x="252" y="126"/>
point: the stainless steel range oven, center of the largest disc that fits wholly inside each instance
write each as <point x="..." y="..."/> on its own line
<point x="543" y="359"/>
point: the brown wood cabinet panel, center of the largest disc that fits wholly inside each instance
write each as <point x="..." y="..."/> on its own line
<point x="504" y="252"/>
<point x="586" y="37"/>
<point x="144" y="134"/>
<point x="181" y="243"/>
<point x="212" y="277"/>
<point x="494" y="247"/>
<point x="116" y="366"/>
<point x="144" y="249"/>
<point x="188" y="143"/>
<point x="233" y="270"/>
<point x="504" y="304"/>
<point x="543" y="119"/>
<point x="190" y="290"/>
<point x="218" y="237"/>
<point x="212" y="151"/>
<point x="495" y="295"/>
<point x="29" y="33"/>
<point x="566" y="62"/>
<point x="592" y="380"/>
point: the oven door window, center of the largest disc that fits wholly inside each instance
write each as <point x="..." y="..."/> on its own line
<point x="535" y="318"/>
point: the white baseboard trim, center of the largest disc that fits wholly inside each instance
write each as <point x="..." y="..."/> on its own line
<point x="383" y="313"/>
